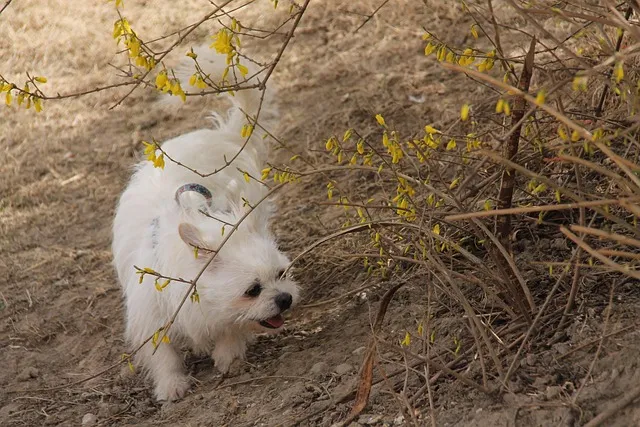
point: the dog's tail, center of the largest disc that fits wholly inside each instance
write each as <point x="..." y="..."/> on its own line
<point x="248" y="102"/>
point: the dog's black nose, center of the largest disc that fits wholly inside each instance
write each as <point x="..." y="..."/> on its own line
<point x="283" y="300"/>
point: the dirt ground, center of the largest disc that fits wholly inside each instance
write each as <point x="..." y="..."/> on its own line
<point x="61" y="314"/>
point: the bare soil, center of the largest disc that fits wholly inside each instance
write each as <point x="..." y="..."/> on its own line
<point x="61" y="314"/>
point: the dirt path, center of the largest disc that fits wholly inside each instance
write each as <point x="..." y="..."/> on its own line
<point x="60" y="306"/>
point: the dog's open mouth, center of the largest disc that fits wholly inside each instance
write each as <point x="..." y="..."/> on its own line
<point x="273" y="322"/>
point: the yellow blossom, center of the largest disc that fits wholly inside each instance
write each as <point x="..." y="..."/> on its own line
<point x="159" y="161"/>
<point x="406" y="341"/>
<point x="431" y="130"/>
<point x="474" y="32"/>
<point x="265" y="173"/>
<point x="243" y="70"/>
<point x="464" y="112"/>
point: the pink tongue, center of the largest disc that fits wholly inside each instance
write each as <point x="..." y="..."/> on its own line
<point x="275" y="321"/>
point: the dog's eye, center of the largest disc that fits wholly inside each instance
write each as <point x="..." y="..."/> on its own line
<point x="280" y="274"/>
<point x="254" y="290"/>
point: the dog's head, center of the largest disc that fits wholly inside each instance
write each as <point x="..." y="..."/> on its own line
<point x="246" y="282"/>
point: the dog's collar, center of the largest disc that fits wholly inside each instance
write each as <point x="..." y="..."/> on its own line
<point x="201" y="189"/>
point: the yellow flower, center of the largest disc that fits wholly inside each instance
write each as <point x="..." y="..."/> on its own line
<point x="191" y="54"/>
<point x="265" y="173"/>
<point x="541" y="97"/>
<point x="429" y="49"/>
<point x="7" y="98"/>
<point x="380" y="120"/>
<point x="406" y="341"/>
<point x="562" y="134"/>
<point x="40" y="79"/>
<point x="430" y="130"/>
<point x="579" y="83"/>
<point x="618" y="72"/>
<point x="507" y="109"/>
<point x="247" y="130"/>
<point x="243" y="70"/>
<point x="450" y="58"/>
<point x="474" y="32"/>
<point x="246" y="177"/>
<point x="37" y="104"/>
<point x="575" y="136"/>
<point x="436" y="229"/>
<point x="451" y="145"/>
<point x="159" y="161"/>
<point x="464" y="112"/>
<point x="222" y="41"/>
<point x="195" y="297"/>
<point x="176" y="90"/>
<point x="161" y="80"/>
<point x="539" y="189"/>
<point x="329" y="145"/>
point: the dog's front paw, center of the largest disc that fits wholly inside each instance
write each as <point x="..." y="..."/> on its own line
<point x="222" y="362"/>
<point x="172" y="387"/>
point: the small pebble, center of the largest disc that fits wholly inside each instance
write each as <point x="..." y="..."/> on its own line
<point x="553" y="392"/>
<point x="544" y="243"/>
<point x="369" y="419"/>
<point x="319" y="368"/>
<point x="89" y="419"/>
<point x="558" y="243"/>
<point x="28" y="373"/>
<point x="358" y="351"/>
<point x="343" y="369"/>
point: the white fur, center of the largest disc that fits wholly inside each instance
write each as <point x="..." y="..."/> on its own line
<point x="225" y="319"/>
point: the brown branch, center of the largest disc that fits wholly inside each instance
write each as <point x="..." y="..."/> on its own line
<point x="288" y="38"/>
<point x="615" y="408"/>
<point x="603" y="97"/>
<point x="545" y="208"/>
<point x="8" y="2"/>
<point x="613" y="265"/>
<point x="369" y="17"/>
<point x="510" y="150"/>
<point x="366" y="373"/>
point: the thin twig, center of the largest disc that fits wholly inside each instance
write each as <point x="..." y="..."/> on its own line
<point x="7" y="3"/>
<point x="544" y="208"/>
<point x="369" y="17"/>
<point x="615" y="408"/>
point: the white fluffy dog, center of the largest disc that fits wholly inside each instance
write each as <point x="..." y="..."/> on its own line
<point x="164" y="214"/>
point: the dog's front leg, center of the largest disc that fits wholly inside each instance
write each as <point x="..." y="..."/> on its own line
<point x="166" y="370"/>
<point x="229" y="345"/>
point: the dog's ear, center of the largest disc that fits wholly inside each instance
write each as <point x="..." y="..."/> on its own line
<point x="191" y="235"/>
